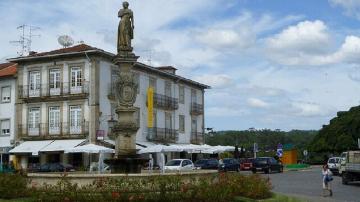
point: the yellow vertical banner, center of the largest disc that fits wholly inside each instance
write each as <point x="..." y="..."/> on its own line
<point x="150" y="101"/>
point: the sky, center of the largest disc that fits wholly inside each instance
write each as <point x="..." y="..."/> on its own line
<point x="274" y="64"/>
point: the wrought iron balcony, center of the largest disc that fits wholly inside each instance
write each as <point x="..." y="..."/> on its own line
<point x="65" y="89"/>
<point x="197" y="138"/>
<point x="165" y="102"/>
<point x="62" y="130"/>
<point x="197" y="109"/>
<point x="163" y="135"/>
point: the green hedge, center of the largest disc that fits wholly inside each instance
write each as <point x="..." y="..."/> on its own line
<point x="218" y="188"/>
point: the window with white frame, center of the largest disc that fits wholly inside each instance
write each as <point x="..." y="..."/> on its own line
<point x="34" y="83"/>
<point x="5" y="94"/>
<point x="54" y="120"/>
<point x="34" y="121"/>
<point x="54" y="81"/>
<point x="76" y="80"/>
<point x="75" y="119"/>
<point x="5" y="127"/>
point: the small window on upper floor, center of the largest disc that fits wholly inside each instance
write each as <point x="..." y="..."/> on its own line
<point x="167" y="88"/>
<point x="181" y="94"/>
<point x="5" y="94"/>
<point x="5" y="127"/>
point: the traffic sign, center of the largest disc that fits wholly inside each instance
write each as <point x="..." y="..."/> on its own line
<point x="279" y="152"/>
<point x="305" y="152"/>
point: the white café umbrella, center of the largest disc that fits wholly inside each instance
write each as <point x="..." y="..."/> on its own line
<point x="160" y="149"/>
<point x="92" y="149"/>
<point x="219" y="149"/>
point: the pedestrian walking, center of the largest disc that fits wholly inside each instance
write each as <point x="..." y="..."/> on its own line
<point x="326" y="179"/>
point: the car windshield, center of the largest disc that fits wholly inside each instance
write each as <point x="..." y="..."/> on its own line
<point x="202" y="161"/>
<point x="173" y="163"/>
<point x="261" y="160"/>
<point x="331" y="161"/>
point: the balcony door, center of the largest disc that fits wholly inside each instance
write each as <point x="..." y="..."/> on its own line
<point x="54" y="82"/>
<point x="34" y="84"/>
<point x="54" y="120"/>
<point x="76" y="80"/>
<point x="168" y="125"/>
<point x="75" y="120"/>
<point x="34" y="121"/>
<point x="193" y="126"/>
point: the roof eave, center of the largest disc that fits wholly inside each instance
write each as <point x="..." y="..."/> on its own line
<point x="25" y="59"/>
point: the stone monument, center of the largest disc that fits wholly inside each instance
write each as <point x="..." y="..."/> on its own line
<point x="124" y="131"/>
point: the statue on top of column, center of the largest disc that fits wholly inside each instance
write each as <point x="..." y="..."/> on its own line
<point x="126" y="28"/>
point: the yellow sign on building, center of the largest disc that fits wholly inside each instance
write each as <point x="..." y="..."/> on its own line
<point x="150" y="102"/>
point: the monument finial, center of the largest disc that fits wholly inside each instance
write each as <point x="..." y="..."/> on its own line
<point x="126" y="29"/>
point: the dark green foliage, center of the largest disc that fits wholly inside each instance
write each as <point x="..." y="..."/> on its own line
<point x="12" y="186"/>
<point x="340" y="135"/>
<point x="266" y="139"/>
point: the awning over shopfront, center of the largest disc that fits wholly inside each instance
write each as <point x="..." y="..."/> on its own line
<point x="138" y="145"/>
<point x="90" y="148"/>
<point x="61" y="145"/>
<point x="189" y="148"/>
<point x="32" y="147"/>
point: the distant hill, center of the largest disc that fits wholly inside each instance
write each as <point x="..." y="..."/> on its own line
<point x="340" y="135"/>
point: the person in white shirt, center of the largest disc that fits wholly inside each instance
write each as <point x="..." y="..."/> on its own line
<point x="326" y="179"/>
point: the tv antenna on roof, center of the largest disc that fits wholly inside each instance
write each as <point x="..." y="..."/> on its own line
<point x="65" y="41"/>
<point x="26" y="40"/>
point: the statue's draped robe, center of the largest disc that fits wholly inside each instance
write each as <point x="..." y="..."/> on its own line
<point x="125" y="30"/>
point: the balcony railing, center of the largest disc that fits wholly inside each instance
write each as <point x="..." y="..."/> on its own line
<point x="53" y="131"/>
<point x="197" y="138"/>
<point x="165" y="102"/>
<point x="197" y="109"/>
<point x="45" y="90"/>
<point x="163" y="135"/>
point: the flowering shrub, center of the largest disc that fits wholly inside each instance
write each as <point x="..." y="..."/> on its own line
<point x="215" y="188"/>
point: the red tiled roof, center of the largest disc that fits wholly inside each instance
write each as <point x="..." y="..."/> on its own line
<point x="77" y="48"/>
<point x="8" y="69"/>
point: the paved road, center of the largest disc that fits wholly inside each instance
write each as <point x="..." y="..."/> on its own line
<point x="307" y="184"/>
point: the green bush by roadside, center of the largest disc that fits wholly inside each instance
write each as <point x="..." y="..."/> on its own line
<point x="13" y="186"/>
<point x="217" y="188"/>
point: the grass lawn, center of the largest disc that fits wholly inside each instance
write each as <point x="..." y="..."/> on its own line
<point x="275" y="198"/>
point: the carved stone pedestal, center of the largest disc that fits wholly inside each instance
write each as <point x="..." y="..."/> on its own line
<point x="124" y="132"/>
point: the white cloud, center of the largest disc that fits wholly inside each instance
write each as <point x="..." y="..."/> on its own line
<point x="351" y="7"/>
<point x="297" y="43"/>
<point x="217" y="81"/>
<point x="308" y="109"/>
<point x="257" y="103"/>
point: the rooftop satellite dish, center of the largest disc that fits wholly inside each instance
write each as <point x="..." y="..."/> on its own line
<point x="65" y="41"/>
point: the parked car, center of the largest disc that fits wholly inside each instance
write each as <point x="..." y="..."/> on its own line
<point x="56" y="167"/>
<point x="230" y="164"/>
<point x="334" y="164"/>
<point x="207" y="164"/>
<point x="179" y="165"/>
<point x="267" y="165"/>
<point x="246" y="164"/>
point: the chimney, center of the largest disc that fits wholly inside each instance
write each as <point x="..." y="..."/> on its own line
<point x="31" y="53"/>
<point x="168" y="69"/>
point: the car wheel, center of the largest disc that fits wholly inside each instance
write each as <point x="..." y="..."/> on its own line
<point x="267" y="171"/>
<point x="253" y="171"/>
<point x="344" y="179"/>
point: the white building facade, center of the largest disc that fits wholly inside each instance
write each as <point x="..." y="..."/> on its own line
<point x="68" y="95"/>
<point x="7" y="110"/>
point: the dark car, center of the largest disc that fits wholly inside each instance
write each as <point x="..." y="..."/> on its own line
<point x="267" y="165"/>
<point x="246" y="164"/>
<point x="207" y="164"/>
<point x="230" y="164"/>
<point x="56" y="167"/>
